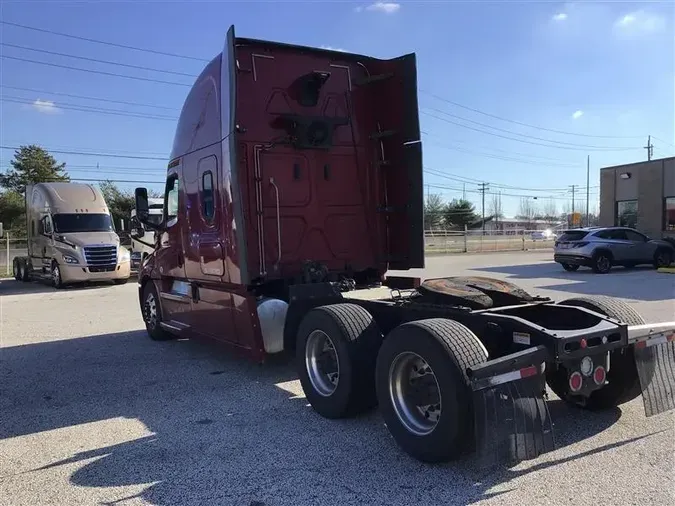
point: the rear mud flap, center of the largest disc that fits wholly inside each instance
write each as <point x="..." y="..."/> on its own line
<point x="512" y="421"/>
<point x="655" y="362"/>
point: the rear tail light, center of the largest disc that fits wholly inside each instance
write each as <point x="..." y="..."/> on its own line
<point x="576" y="381"/>
<point x="580" y="244"/>
<point x="599" y="375"/>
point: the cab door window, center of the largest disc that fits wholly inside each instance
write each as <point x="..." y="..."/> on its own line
<point x="171" y="199"/>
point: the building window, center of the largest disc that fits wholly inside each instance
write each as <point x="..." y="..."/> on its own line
<point x="626" y="213"/>
<point x="208" y="209"/>
<point x="669" y="212"/>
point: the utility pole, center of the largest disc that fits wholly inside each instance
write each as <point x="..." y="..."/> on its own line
<point x="482" y="188"/>
<point x="650" y="148"/>
<point x="464" y="191"/>
<point x="573" y="189"/>
<point x="588" y="190"/>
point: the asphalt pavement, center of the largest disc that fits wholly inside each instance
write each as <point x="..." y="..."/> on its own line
<point x="93" y="412"/>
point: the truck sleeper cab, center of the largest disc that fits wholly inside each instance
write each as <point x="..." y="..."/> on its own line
<point x="71" y="237"/>
<point x="295" y="181"/>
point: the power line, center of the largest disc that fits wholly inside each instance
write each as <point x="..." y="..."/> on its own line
<point x="107" y="62"/>
<point x="503" y="158"/>
<point x="661" y="140"/>
<point x="463" y="179"/>
<point x="585" y="146"/>
<point x="84" y="97"/>
<point x="527" y="124"/>
<point x="107" y="43"/>
<point x="94" y="154"/>
<point x="522" y="140"/>
<point x="97" y="110"/>
<point x="148" y="79"/>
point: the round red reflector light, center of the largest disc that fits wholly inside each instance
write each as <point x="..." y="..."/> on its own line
<point x="576" y="381"/>
<point x="599" y="375"/>
<point x="583" y="343"/>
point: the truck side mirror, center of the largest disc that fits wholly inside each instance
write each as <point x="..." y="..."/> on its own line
<point x="142" y="207"/>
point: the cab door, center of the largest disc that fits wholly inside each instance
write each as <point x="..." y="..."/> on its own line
<point x="211" y="304"/>
<point x="174" y="290"/>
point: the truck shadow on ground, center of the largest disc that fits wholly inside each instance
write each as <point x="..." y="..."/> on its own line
<point x="221" y="430"/>
<point x="619" y="282"/>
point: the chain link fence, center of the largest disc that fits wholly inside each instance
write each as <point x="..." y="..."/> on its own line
<point x="475" y="241"/>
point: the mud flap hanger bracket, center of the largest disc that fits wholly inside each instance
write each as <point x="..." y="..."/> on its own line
<point x="511" y="367"/>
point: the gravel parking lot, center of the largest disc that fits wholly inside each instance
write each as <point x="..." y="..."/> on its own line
<point x="93" y="412"/>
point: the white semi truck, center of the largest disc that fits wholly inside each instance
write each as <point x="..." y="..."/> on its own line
<point x="142" y="244"/>
<point x="71" y="237"/>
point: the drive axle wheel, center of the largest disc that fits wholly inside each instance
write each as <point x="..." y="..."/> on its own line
<point x="422" y="388"/>
<point x="336" y="351"/>
<point x="623" y="382"/>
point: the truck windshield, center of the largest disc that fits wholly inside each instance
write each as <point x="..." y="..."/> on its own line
<point x="69" y="223"/>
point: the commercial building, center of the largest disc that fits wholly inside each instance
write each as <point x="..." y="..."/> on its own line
<point x="640" y="195"/>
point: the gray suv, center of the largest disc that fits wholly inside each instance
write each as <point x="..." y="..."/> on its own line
<point x="603" y="247"/>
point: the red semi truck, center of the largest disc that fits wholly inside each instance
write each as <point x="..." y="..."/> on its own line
<point x="295" y="183"/>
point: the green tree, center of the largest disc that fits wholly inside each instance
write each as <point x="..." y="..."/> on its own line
<point x="32" y="164"/>
<point x="119" y="202"/>
<point x="433" y="212"/>
<point x="13" y="212"/>
<point x="459" y="213"/>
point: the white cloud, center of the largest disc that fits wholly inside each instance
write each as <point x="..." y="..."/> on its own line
<point x="45" y="107"/>
<point x="561" y="16"/>
<point x="640" y="21"/>
<point x="385" y="7"/>
<point x="577" y="114"/>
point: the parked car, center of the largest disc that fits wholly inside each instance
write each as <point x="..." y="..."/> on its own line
<point x="601" y="248"/>
<point x="544" y="235"/>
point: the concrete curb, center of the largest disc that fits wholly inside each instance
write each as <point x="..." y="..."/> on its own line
<point x="667" y="270"/>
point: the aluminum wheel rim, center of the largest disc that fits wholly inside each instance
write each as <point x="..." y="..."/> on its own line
<point x="56" y="275"/>
<point x="322" y="364"/>
<point x="150" y="307"/>
<point x="410" y="376"/>
<point x="603" y="263"/>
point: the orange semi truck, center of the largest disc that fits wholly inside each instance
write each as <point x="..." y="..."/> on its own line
<point x="294" y="186"/>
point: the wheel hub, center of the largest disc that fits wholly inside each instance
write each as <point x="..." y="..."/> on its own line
<point x="414" y="393"/>
<point x="321" y="361"/>
<point x="150" y="310"/>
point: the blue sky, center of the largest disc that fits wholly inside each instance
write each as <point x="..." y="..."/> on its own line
<point x="604" y="71"/>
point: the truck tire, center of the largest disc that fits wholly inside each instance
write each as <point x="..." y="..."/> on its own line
<point x="623" y="380"/>
<point x="336" y="351"/>
<point x="152" y="314"/>
<point x="16" y="270"/>
<point x="438" y="425"/>
<point x="57" y="281"/>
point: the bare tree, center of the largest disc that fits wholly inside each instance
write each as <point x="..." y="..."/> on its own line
<point x="496" y="209"/>
<point x="527" y="210"/>
<point x="550" y="210"/>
